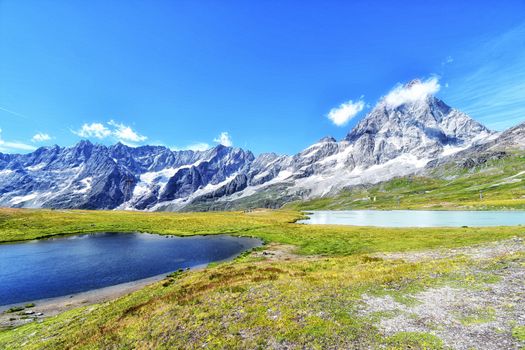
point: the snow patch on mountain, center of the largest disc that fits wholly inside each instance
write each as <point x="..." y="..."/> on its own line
<point x="401" y="135"/>
<point x="21" y="199"/>
<point x="85" y="185"/>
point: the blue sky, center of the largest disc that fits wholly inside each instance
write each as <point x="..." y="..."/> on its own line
<point x="262" y="75"/>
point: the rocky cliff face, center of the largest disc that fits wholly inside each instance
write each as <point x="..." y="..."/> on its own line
<point x="390" y="141"/>
<point x="98" y="177"/>
<point x="423" y="128"/>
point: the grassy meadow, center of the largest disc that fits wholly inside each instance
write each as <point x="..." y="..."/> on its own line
<point x="273" y="226"/>
<point x="307" y="298"/>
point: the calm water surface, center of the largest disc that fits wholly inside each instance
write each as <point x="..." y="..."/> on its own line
<point x="66" y="265"/>
<point x="415" y="218"/>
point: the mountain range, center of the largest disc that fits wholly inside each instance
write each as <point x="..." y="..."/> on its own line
<point x="390" y="141"/>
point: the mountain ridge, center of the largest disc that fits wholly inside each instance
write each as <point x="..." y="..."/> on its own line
<point x="390" y="141"/>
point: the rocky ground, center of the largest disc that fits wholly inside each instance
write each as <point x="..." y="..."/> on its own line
<point x="471" y="315"/>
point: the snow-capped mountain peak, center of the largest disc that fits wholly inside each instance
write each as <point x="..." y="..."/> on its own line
<point x="405" y="130"/>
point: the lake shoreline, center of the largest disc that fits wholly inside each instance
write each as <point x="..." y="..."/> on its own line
<point x="53" y="306"/>
<point x="402" y="218"/>
<point x="42" y="308"/>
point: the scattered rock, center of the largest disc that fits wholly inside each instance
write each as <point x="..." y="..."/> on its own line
<point x="463" y="318"/>
<point x="477" y="252"/>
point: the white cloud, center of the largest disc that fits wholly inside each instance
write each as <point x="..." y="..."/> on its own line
<point x="224" y="139"/>
<point x="199" y="146"/>
<point x="125" y="133"/>
<point x="97" y="130"/>
<point x="414" y="91"/>
<point x="41" y="137"/>
<point x="7" y="146"/>
<point x="346" y="111"/>
<point x="119" y="131"/>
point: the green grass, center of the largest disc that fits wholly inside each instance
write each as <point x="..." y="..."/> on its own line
<point x="414" y="340"/>
<point x="309" y="300"/>
<point x="502" y="186"/>
<point x="272" y="226"/>
<point x="24" y="224"/>
<point x="15" y="309"/>
<point x="479" y="315"/>
<point x="236" y="305"/>
<point x="518" y="332"/>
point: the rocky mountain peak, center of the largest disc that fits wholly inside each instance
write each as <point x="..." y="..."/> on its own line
<point x="327" y="139"/>
<point x="405" y="131"/>
<point x="412" y="83"/>
<point x="430" y="115"/>
<point x="83" y="144"/>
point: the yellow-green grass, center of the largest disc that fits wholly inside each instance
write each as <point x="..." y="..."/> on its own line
<point x="272" y="226"/>
<point x="249" y="304"/>
<point x="240" y="304"/>
<point x="518" y="332"/>
<point x="24" y="224"/>
<point x="309" y="300"/>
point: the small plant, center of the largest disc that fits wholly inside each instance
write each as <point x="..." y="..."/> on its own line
<point x="170" y="278"/>
<point x="370" y="259"/>
<point x="479" y="315"/>
<point x="518" y="333"/>
<point x="15" y="309"/>
<point x="175" y="274"/>
<point x="167" y="283"/>
<point x="414" y="340"/>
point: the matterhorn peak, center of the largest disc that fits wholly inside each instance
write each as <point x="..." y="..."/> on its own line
<point x="413" y="92"/>
<point x="412" y="83"/>
<point x="412" y="112"/>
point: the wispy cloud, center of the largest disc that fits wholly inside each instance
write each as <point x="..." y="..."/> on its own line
<point x="40" y="137"/>
<point x="9" y="146"/>
<point x="414" y="91"/>
<point x="345" y="112"/>
<point x="224" y="139"/>
<point x="118" y="131"/>
<point x="488" y="80"/>
<point x="16" y="114"/>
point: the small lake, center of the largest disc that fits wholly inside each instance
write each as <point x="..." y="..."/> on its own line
<point x="70" y="264"/>
<point x="414" y="218"/>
